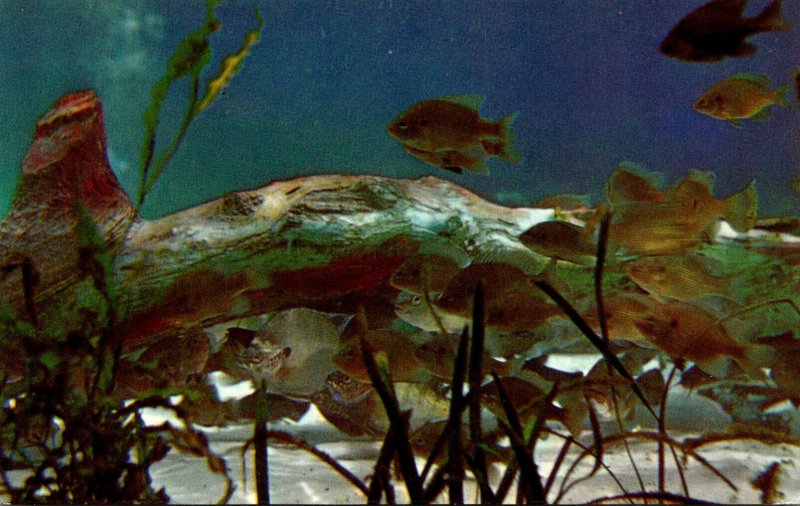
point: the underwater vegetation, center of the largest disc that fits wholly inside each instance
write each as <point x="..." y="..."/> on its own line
<point x="440" y="350"/>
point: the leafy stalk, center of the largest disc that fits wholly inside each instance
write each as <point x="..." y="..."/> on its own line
<point x="191" y="56"/>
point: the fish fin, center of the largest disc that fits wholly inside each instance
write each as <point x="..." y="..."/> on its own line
<point x="617" y="192"/>
<point x="780" y="95"/>
<point x="771" y="19"/>
<point x="523" y="260"/>
<point x="742" y="208"/>
<point x="456" y="254"/>
<point x="509" y="151"/>
<point x="758" y="356"/>
<point x="762" y="115"/>
<point x="455" y="170"/>
<point x="550" y="274"/>
<point x="471" y="100"/>
<point x="704" y="177"/>
<point x="735" y="123"/>
<point x="480" y="167"/>
<point x="761" y="80"/>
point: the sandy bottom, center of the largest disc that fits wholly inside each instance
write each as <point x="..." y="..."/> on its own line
<point x="298" y="477"/>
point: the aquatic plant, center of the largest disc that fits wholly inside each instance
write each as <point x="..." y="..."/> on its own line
<point x="66" y="434"/>
<point x="188" y="60"/>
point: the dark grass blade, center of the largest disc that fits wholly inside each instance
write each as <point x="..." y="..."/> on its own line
<point x="562" y="454"/>
<point x="598" y="438"/>
<point x="530" y="445"/>
<point x="648" y="497"/>
<point x="380" y="475"/>
<point x="602" y="246"/>
<point x="457" y="406"/>
<point x="596" y="340"/>
<point x="260" y="439"/>
<point x="285" y="437"/>
<point x="455" y="452"/>
<point x="405" y="454"/>
<point x="475" y="379"/>
<point x="662" y="417"/>
<point x="530" y="482"/>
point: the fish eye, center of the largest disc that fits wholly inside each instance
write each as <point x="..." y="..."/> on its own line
<point x="402" y="125"/>
<point x="417" y="300"/>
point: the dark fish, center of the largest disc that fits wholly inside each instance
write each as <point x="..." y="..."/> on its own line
<point x="718" y="29"/>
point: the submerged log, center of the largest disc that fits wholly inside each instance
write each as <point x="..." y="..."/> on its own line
<point x="328" y="242"/>
<point x="309" y="241"/>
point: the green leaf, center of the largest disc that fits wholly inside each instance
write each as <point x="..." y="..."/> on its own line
<point x="50" y="359"/>
<point x="189" y="59"/>
<point x="231" y="64"/>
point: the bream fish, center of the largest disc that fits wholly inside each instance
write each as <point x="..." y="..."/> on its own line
<point x="718" y="30"/>
<point x="449" y="133"/>
<point x="741" y="96"/>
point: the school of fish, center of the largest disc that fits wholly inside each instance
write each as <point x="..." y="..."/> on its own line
<point x="671" y="297"/>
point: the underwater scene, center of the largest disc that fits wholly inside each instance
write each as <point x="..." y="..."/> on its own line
<point x="393" y="251"/>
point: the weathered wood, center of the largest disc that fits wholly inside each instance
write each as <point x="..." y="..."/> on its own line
<point x="321" y="241"/>
<point x="290" y="243"/>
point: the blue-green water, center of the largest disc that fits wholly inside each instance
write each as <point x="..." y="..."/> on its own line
<point x="317" y="92"/>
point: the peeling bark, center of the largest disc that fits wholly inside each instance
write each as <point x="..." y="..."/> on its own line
<point x="328" y="242"/>
<point x="309" y="241"/>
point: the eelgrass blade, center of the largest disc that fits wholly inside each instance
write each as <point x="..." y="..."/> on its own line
<point x="455" y="455"/>
<point x="405" y="454"/>
<point x="602" y="246"/>
<point x="648" y="497"/>
<point x="260" y="439"/>
<point x="596" y="340"/>
<point x="562" y="454"/>
<point x="475" y="379"/>
<point x="530" y="481"/>
<point x="231" y="65"/>
<point x="379" y="481"/>
<point x="598" y="438"/>
<point x="287" y="438"/>
<point x="190" y="57"/>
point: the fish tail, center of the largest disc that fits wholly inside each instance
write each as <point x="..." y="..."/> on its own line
<point x="507" y="148"/>
<point x="757" y="357"/>
<point x="771" y="18"/>
<point x="742" y="209"/>
<point x="780" y="95"/>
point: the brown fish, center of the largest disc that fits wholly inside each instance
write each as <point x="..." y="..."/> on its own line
<point x="796" y="79"/>
<point x="678" y="277"/>
<point x="403" y="365"/>
<point x="631" y="183"/>
<point x="452" y="132"/>
<point x="565" y="202"/>
<point x="694" y="195"/>
<point x="741" y="96"/>
<point x="622" y="311"/>
<point x="694" y="332"/>
<point x="346" y="390"/>
<point x="416" y="269"/>
<point x="513" y="303"/>
<point x="472" y="158"/>
<point x="718" y="30"/>
<point x="438" y="356"/>
<point x="562" y="240"/>
<point x="689" y="217"/>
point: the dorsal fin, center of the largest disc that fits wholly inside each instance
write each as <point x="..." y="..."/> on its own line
<point x="471" y="100"/>
<point x="760" y="79"/>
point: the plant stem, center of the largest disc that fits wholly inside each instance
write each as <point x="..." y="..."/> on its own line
<point x="260" y="442"/>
